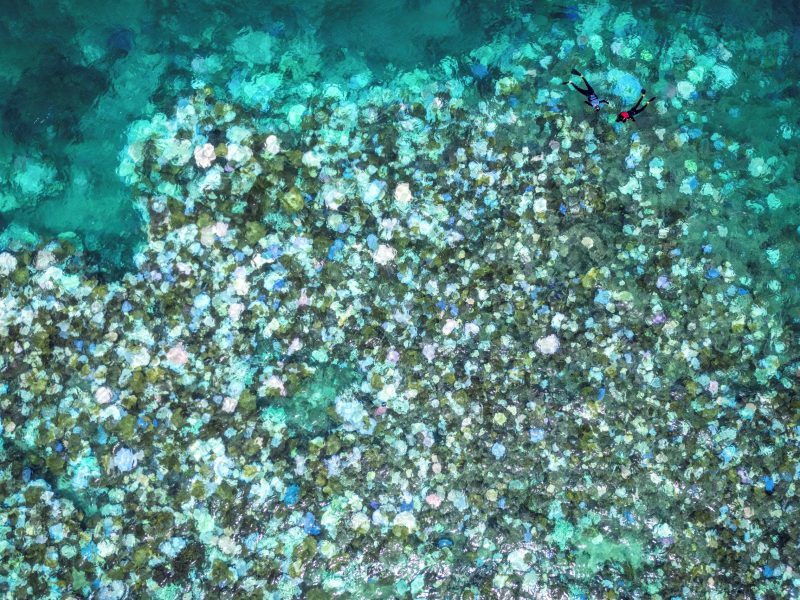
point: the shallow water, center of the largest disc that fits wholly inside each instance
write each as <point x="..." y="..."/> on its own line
<point x="69" y="94"/>
<point x="359" y="300"/>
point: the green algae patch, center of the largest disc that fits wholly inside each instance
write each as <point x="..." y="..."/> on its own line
<point x="593" y="550"/>
<point x="310" y="409"/>
<point x="562" y="533"/>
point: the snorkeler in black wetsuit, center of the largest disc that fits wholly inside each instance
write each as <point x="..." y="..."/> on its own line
<point x="626" y="115"/>
<point x="591" y="98"/>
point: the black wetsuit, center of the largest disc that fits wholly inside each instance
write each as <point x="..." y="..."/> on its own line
<point x="626" y="115"/>
<point x="591" y="98"/>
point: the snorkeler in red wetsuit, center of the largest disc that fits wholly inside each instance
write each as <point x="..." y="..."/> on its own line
<point x="591" y="98"/>
<point x="627" y="115"/>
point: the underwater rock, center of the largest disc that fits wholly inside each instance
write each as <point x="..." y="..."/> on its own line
<point x="121" y="40"/>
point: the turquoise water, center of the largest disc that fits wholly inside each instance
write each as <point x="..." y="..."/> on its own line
<point x="70" y="95"/>
<point x="359" y="300"/>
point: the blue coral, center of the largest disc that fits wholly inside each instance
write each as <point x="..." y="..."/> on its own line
<point x="628" y="88"/>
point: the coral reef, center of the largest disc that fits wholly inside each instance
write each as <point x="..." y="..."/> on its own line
<point x="446" y="334"/>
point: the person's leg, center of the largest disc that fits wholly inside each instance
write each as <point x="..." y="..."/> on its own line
<point x="584" y="92"/>
<point x="589" y="89"/>
<point x="644" y="105"/>
<point x="638" y="102"/>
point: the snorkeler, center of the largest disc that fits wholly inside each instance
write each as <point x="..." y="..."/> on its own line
<point x="629" y="114"/>
<point x="591" y="98"/>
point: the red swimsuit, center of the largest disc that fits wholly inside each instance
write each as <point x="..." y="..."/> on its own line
<point x="625" y="115"/>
